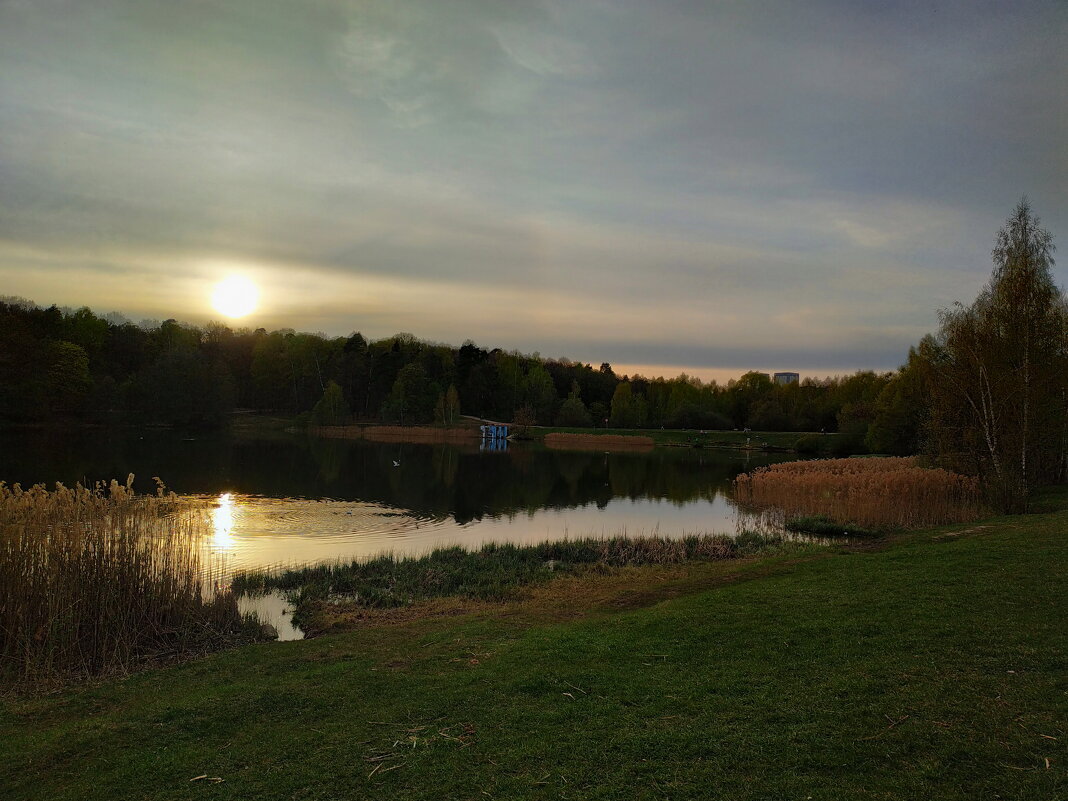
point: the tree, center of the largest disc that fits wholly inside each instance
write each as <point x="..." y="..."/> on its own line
<point x="522" y="421"/>
<point x="624" y="410"/>
<point x="997" y="368"/>
<point x="899" y="412"/>
<point x="573" y="411"/>
<point x="412" y="398"/>
<point x="68" y="380"/>
<point x="540" y="392"/>
<point x="331" y="410"/>
<point x="452" y="405"/>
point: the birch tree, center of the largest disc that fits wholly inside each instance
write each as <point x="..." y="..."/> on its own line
<point x="997" y="370"/>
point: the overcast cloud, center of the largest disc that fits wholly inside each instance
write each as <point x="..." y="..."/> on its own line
<point x="708" y="186"/>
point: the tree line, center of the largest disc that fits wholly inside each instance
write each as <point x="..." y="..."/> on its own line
<point x="987" y="394"/>
<point x="74" y="365"/>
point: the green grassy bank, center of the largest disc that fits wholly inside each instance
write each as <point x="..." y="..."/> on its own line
<point x="936" y="667"/>
<point x="494" y="572"/>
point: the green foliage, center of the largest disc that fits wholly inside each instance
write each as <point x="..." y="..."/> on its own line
<point x="998" y="371"/>
<point x="452" y="405"/>
<point x="399" y="379"/>
<point x="809" y="445"/>
<point x="67" y="380"/>
<point x="899" y="412"/>
<point x="412" y="398"/>
<point x="628" y="410"/>
<point x="539" y="392"/>
<point x="847" y="445"/>
<point x="523" y="420"/>
<point x="573" y="411"/>
<point x="599" y="413"/>
<point x="825" y="527"/>
<point x="331" y="410"/>
<point x="689" y="415"/>
<point x="494" y="572"/>
<point x="182" y="388"/>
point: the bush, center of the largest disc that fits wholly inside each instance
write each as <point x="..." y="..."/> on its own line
<point x="808" y="445"/>
<point x="331" y="410"/>
<point x="690" y="416"/>
<point x="573" y="414"/>
<point x="821" y="526"/>
<point x="847" y="445"/>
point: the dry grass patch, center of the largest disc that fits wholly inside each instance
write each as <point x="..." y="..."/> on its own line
<point x="598" y="442"/>
<point x="873" y="493"/>
<point x="430" y="434"/>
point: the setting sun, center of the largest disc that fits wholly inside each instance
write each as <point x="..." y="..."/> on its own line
<point x="235" y="296"/>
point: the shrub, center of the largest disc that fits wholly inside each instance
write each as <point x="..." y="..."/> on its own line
<point x="847" y="445"/>
<point x="820" y="526"/>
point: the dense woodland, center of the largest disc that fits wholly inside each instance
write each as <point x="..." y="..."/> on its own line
<point x="58" y="364"/>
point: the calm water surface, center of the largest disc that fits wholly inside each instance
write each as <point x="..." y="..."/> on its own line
<point x="282" y="499"/>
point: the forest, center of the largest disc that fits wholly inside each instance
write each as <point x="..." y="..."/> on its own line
<point x="75" y="366"/>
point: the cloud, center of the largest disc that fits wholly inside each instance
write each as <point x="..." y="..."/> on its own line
<point x="672" y="183"/>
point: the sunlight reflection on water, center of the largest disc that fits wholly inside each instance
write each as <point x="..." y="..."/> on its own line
<point x="222" y="523"/>
<point x="253" y="532"/>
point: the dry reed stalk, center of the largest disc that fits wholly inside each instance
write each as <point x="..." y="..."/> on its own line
<point x="100" y="580"/>
<point x="598" y="442"/>
<point x="873" y="493"/>
<point x="418" y="434"/>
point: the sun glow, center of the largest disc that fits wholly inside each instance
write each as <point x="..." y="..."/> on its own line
<point x="235" y="296"/>
<point x="222" y="523"/>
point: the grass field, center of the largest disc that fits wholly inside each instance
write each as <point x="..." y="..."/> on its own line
<point x="935" y="667"/>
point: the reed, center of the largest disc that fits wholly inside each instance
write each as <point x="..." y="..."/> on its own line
<point x="103" y="579"/>
<point x="416" y="434"/>
<point x="873" y="493"/>
<point x="598" y="442"/>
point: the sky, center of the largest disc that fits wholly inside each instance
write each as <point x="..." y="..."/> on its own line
<point x="701" y="187"/>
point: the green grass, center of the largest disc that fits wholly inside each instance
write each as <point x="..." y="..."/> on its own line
<point x="494" y="572"/>
<point x="935" y="668"/>
<point x="710" y="439"/>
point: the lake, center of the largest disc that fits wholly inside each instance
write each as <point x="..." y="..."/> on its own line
<point x="287" y="499"/>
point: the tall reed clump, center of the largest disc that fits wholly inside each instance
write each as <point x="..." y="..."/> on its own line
<point x="873" y="493"/>
<point x="100" y="580"/>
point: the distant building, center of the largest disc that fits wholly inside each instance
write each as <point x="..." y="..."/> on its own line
<point x="786" y="378"/>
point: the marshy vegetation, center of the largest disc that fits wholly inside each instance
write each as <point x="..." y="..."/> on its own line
<point x="456" y="434"/>
<point x="598" y="442"/>
<point x="875" y="493"/>
<point x="493" y="572"/>
<point x="104" y="579"/>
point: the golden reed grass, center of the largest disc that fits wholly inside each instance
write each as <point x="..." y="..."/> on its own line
<point x="417" y="434"/>
<point x="598" y="442"/>
<point x="101" y="580"/>
<point x="873" y="493"/>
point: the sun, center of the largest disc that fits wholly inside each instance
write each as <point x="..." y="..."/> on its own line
<point x="235" y="296"/>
